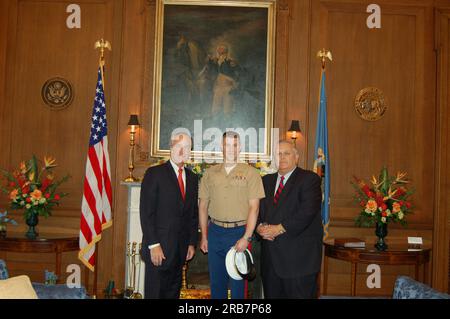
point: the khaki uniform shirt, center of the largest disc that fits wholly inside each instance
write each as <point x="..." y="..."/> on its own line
<point x="228" y="194"/>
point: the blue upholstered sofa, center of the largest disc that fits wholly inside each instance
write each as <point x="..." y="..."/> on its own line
<point x="49" y="291"/>
<point x="404" y="288"/>
<point x="407" y="288"/>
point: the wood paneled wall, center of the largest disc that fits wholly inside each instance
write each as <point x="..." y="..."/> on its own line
<point x="407" y="59"/>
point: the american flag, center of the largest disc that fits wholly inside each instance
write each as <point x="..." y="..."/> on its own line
<point x="97" y="191"/>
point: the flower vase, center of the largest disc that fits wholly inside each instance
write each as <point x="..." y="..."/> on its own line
<point x="32" y="220"/>
<point x="381" y="232"/>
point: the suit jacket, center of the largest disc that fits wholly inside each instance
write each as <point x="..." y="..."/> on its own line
<point x="298" y="252"/>
<point x="165" y="217"/>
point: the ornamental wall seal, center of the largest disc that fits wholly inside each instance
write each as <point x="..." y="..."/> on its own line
<point x="370" y="104"/>
<point x="57" y="93"/>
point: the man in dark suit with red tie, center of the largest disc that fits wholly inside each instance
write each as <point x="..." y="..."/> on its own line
<point x="290" y="227"/>
<point x="169" y="220"/>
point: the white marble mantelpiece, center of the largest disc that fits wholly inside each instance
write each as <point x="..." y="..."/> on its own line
<point x="134" y="233"/>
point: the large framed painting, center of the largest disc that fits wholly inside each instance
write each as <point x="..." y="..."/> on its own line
<point x="214" y="71"/>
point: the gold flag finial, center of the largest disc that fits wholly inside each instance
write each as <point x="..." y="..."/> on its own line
<point x="102" y="44"/>
<point x="324" y="54"/>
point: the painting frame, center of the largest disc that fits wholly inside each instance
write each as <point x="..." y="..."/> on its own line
<point x="264" y="152"/>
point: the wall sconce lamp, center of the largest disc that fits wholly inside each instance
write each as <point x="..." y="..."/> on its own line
<point x="133" y="122"/>
<point x="294" y="130"/>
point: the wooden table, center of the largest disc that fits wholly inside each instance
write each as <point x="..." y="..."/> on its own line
<point x="45" y="243"/>
<point x="394" y="255"/>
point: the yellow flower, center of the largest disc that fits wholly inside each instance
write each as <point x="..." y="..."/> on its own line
<point x="22" y="167"/>
<point x="31" y="176"/>
<point x="49" y="161"/>
<point x="13" y="194"/>
<point x="371" y="206"/>
<point x="36" y="194"/>
<point x="396" y="207"/>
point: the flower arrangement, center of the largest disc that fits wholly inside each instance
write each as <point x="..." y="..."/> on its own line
<point x="198" y="168"/>
<point x="34" y="189"/>
<point x="386" y="200"/>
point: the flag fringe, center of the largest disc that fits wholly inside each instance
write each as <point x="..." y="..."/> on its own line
<point x="94" y="241"/>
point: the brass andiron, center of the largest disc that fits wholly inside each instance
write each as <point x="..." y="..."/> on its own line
<point x="128" y="288"/>
<point x="184" y="276"/>
<point x="130" y="292"/>
<point x="135" y="294"/>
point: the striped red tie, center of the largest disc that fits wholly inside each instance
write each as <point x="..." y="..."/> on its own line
<point x="180" y="182"/>
<point x="279" y="190"/>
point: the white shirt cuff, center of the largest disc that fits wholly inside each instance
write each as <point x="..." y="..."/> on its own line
<point x="153" y="246"/>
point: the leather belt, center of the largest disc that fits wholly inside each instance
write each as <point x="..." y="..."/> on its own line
<point x="229" y="224"/>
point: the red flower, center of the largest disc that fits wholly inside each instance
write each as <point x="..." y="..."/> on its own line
<point x="26" y="189"/>
<point x="366" y="190"/>
<point x="57" y="197"/>
<point x="384" y="214"/>
<point x="408" y="204"/>
<point x="383" y="206"/>
<point x="28" y="200"/>
<point x="399" y="192"/>
<point x="47" y="195"/>
<point x="45" y="184"/>
<point x="21" y="181"/>
<point x="379" y="200"/>
<point x="362" y="204"/>
<point x="12" y="184"/>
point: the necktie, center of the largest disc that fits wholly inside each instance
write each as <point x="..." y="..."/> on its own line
<point x="180" y="182"/>
<point x="279" y="190"/>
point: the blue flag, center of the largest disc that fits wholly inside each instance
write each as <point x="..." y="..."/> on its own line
<point x="321" y="155"/>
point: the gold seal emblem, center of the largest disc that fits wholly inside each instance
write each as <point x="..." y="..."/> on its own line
<point x="57" y="93"/>
<point x="370" y="104"/>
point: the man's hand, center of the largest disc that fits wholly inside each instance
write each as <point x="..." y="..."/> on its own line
<point x="190" y="253"/>
<point x="204" y="245"/>
<point x="261" y="230"/>
<point x="269" y="232"/>
<point x="157" y="255"/>
<point x="241" y="245"/>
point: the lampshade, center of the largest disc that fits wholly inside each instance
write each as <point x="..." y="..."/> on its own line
<point x="133" y="120"/>
<point x="295" y="126"/>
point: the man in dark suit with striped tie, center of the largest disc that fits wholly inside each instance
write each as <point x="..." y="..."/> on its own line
<point x="290" y="228"/>
<point x="169" y="220"/>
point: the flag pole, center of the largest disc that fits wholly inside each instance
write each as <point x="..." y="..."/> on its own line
<point x="102" y="45"/>
<point x="323" y="55"/>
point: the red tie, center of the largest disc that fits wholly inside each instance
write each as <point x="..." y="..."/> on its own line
<point x="180" y="182"/>
<point x="279" y="190"/>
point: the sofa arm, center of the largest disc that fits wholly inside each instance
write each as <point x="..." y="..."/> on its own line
<point x="407" y="288"/>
